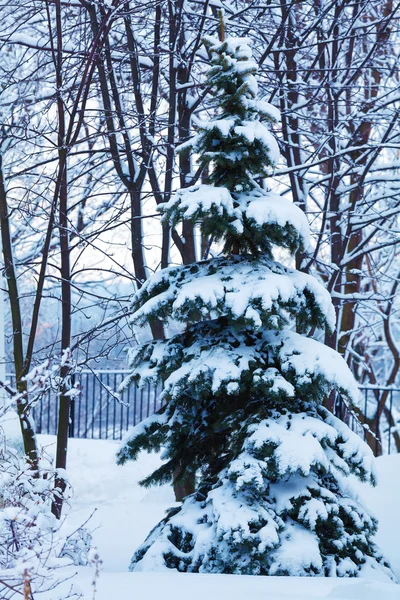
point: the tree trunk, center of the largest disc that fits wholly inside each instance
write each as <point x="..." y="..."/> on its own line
<point x="184" y="485"/>
<point x="65" y="399"/>
<point x="27" y="426"/>
<point x="65" y="272"/>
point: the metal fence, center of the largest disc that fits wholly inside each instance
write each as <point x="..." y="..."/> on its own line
<point x="97" y="414"/>
<point x="382" y="428"/>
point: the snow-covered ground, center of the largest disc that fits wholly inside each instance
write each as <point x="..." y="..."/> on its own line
<point x="125" y="513"/>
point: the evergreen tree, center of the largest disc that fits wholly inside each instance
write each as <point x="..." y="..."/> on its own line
<point x="243" y="385"/>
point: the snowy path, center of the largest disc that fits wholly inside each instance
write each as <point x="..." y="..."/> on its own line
<point x="126" y="513"/>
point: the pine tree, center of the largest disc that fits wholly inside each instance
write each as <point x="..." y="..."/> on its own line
<point x="243" y="384"/>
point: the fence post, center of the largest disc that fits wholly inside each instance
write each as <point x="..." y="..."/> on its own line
<point x="71" y="430"/>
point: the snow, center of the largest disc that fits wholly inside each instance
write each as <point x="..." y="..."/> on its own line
<point x="172" y="586"/>
<point x="200" y="197"/>
<point x="11" y="429"/>
<point x="249" y="130"/>
<point x="288" y="555"/>
<point x="237" y="44"/>
<point x="244" y="67"/>
<point x="126" y="513"/>
<point x="267" y="207"/>
<point x="223" y="363"/>
<point x="255" y="130"/>
<point x="308" y="358"/>
<point x="224" y="126"/>
<point x="304" y="433"/>
<point x="383" y="502"/>
<point x="230" y="359"/>
<point x="28" y="40"/>
<point x="229" y="287"/>
<point x="268" y="110"/>
<point x="258" y="206"/>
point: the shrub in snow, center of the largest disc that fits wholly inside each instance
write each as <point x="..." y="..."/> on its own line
<point x="243" y="385"/>
<point x="28" y="530"/>
<point x="33" y="546"/>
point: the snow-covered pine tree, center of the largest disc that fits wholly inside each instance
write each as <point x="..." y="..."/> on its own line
<point x="243" y="384"/>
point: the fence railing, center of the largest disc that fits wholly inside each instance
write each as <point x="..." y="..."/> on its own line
<point x="97" y="414"/>
<point x="381" y="427"/>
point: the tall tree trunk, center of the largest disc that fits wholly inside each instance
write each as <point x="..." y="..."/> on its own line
<point x="65" y="399"/>
<point x="65" y="272"/>
<point x="26" y="423"/>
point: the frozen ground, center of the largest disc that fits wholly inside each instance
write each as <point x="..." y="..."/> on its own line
<point x="125" y="513"/>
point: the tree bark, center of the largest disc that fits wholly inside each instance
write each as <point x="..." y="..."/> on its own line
<point x="65" y="272"/>
<point x="65" y="399"/>
<point x="26" y="423"/>
<point x="184" y="485"/>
